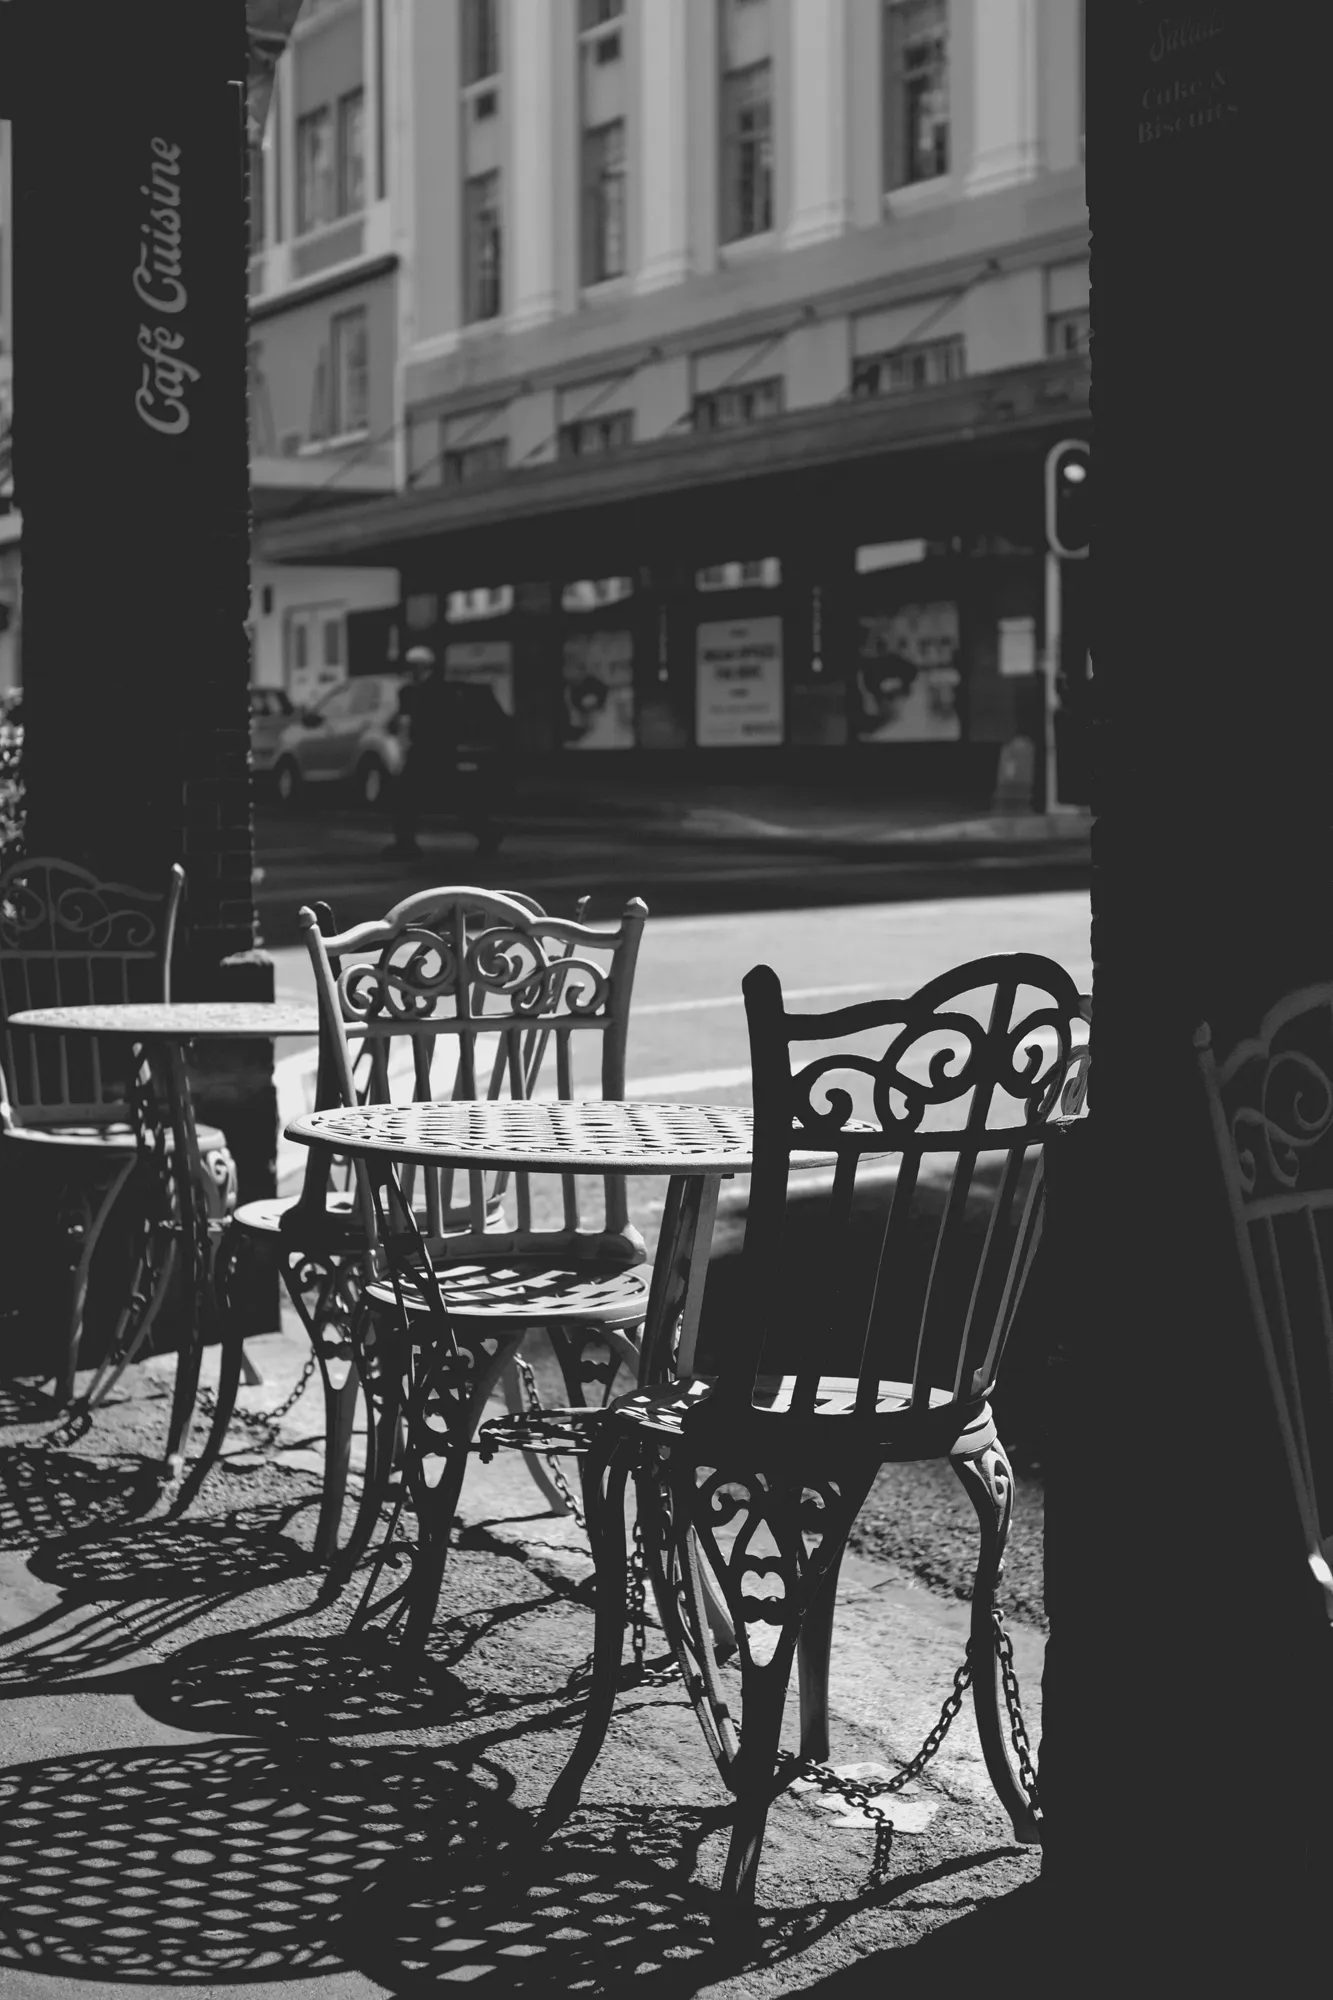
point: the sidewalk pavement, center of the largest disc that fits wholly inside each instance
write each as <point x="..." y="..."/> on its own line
<point x="203" y="1785"/>
<point x="801" y="815"/>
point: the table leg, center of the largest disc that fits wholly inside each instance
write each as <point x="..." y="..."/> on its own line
<point x="192" y="1221"/>
<point x="671" y="1333"/>
<point x="441" y="1379"/>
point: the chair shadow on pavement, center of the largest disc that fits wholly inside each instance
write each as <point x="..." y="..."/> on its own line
<point x="233" y="1861"/>
<point x="131" y="1586"/>
<point x="46" y="1491"/>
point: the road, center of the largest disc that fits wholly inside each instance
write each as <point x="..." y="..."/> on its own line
<point x="687" y="1031"/>
<point x="678" y="871"/>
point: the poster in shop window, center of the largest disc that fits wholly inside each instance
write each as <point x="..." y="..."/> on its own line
<point x="738" y="684"/>
<point x="907" y="675"/>
<point x="487" y="663"/>
<point x="597" y="676"/>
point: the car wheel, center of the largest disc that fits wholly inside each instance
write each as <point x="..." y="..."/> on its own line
<point x="287" y="782"/>
<point x="371" y="780"/>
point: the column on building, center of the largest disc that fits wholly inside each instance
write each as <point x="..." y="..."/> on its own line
<point x="530" y="197"/>
<point x="820" y="193"/>
<point x="1005" y="118"/>
<point x="663" y="151"/>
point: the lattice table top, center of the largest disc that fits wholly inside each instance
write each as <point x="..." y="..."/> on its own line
<point x="579" y="1137"/>
<point x="176" y="1020"/>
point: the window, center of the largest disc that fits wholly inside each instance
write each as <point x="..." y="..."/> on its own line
<point x="481" y="40"/>
<point x="604" y="203"/>
<point x="724" y="409"/>
<point x="315" y="184"/>
<point x="589" y="437"/>
<point x="922" y="364"/>
<point x="916" y="137"/>
<point x="256" y="198"/>
<point x="1069" y="332"/>
<point x="352" y="152"/>
<point x="475" y="461"/>
<point x="482" y="246"/>
<point x="761" y="573"/>
<point x="596" y="13"/>
<point x="351" y="373"/>
<point x="747" y="152"/>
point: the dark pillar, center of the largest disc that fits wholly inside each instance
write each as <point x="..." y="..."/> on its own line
<point x="131" y="470"/>
<point x="1187" y="1762"/>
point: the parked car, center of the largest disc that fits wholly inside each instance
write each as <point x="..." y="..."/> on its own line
<point x="342" y="739"/>
<point x="270" y="712"/>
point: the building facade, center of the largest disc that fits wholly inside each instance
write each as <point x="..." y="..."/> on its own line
<point x="733" y="335"/>
<point x="324" y="279"/>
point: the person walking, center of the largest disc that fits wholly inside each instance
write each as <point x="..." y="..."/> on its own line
<point x="423" y="718"/>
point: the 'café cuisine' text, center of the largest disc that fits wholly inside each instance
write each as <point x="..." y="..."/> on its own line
<point x="165" y="374"/>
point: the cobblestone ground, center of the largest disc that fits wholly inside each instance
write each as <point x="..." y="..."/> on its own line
<point x="206" y="1786"/>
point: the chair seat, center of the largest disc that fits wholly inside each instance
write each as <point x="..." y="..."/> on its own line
<point x="107" y="1140"/>
<point x="532" y="1292"/>
<point x="276" y="1215"/>
<point x="681" y="1409"/>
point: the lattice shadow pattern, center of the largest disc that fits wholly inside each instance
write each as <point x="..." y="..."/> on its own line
<point x="228" y="1863"/>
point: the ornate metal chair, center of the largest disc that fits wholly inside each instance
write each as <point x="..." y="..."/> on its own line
<point x="478" y="987"/>
<point x="67" y="939"/>
<point x="878" y="1339"/>
<point x="1271" y="1105"/>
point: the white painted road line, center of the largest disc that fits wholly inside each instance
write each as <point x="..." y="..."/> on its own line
<point x="737" y="999"/>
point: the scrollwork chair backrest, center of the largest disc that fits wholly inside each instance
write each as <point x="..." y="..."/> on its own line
<point x="1271" y="1105"/>
<point x="67" y="940"/>
<point x="491" y="995"/>
<point x="936" y="1110"/>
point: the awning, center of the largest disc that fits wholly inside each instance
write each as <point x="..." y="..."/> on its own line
<point x="611" y="495"/>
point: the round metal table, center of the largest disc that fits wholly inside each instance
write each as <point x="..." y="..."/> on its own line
<point x="167" y="1137"/>
<point x="695" y="1146"/>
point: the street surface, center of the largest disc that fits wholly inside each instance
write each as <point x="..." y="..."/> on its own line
<point x="687" y="1028"/>
<point x="704" y="862"/>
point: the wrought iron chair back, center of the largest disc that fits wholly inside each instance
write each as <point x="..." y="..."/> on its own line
<point x="906" y="1303"/>
<point x="67" y="940"/>
<point x="489" y="995"/>
<point x="1271" y="1105"/>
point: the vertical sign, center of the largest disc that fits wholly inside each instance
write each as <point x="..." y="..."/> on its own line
<point x="738" y="684"/>
<point x="131" y="457"/>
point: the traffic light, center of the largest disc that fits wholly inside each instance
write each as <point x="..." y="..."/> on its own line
<point x="1069" y="498"/>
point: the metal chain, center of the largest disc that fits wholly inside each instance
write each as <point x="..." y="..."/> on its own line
<point x="863" y="1794"/>
<point x="558" y="1480"/>
<point x="265" y="1422"/>
<point x="1018" y="1735"/>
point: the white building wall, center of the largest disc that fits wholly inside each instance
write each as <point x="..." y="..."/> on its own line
<point x="279" y="589"/>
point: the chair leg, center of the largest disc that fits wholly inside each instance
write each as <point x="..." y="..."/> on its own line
<point x="814" y="1650"/>
<point x="380" y="1377"/>
<point x="339" y="1418"/>
<point x="753" y="1777"/>
<point x="609" y="1459"/>
<point x="231" y="1355"/>
<point x="989" y="1480"/>
<point x="91" y="1236"/>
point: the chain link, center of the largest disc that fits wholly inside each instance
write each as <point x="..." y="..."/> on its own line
<point x="1018" y="1735"/>
<point x="863" y="1794"/>
<point x="558" y="1480"/>
<point x="263" y="1422"/>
